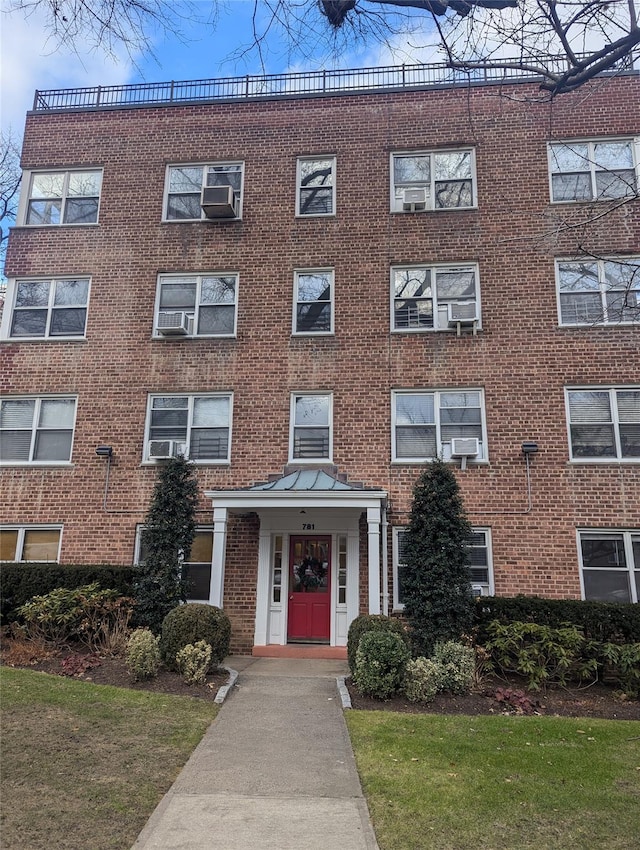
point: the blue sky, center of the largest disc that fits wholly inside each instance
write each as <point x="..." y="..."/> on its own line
<point x="30" y="61"/>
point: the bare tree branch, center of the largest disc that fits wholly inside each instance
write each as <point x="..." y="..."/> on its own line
<point x="10" y="176"/>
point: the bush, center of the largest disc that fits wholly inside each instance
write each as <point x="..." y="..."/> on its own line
<point x="621" y="662"/>
<point x="368" y="623"/>
<point x="193" y="662"/>
<point x="143" y="655"/>
<point x="193" y="622"/>
<point x="21" y="582"/>
<point x="544" y="655"/>
<point x="423" y="679"/>
<point x="381" y="662"/>
<point x="95" y="617"/>
<point x="609" y="622"/>
<point x="458" y="666"/>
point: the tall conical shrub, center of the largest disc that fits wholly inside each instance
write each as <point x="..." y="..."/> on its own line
<point x="167" y="536"/>
<point x="436" y="581"/>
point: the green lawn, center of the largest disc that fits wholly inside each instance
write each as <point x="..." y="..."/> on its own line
<point x="83" y="766"/>
<point x="509" y="783"/>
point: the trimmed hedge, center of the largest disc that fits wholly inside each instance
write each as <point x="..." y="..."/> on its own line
<point x="608" y="622"/>
<point x="19" y="582"/>
<point x="371" y="623"/>
<point x="193" y="622"/>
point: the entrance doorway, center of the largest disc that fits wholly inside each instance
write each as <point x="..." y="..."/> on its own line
<point x="309" y="589"/>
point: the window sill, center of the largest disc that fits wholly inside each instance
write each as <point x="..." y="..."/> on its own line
<point x="597" y="461"/>
<point x="20" y="340"/>
<point x="37" y="464"/>
<point x="53" y="226"/>
<point x="442" y="210"/>
<point x="157" y="463"/>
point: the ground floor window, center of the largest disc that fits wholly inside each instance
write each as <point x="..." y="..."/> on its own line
<point x="28" y="543"/>
<point x="197" y="570"/>
<point x="480" y="564"/>
<point x="610" y="565"/>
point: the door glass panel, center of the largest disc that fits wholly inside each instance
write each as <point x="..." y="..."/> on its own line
<point x="276" y="584"/>
<point x="342" y="569"/>
<point x="310" y="566"/>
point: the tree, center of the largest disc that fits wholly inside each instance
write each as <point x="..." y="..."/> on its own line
<point x="566" y="42"/>
<point x="10" y="175"/>
<point x="168" y="533"/>
<point x="436" y="580"/>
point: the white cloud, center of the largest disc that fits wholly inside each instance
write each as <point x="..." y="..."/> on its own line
<point x="29" y="62"/>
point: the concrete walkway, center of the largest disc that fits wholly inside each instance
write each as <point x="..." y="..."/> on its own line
<point x="274" y="771"/>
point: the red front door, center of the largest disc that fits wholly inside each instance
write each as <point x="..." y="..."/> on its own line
<point x="309" y="588"/>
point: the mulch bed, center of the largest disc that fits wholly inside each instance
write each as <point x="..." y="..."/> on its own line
<point x="596" y="700"/>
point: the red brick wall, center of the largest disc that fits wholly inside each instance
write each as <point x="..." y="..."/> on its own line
<point x="521" y="358"/>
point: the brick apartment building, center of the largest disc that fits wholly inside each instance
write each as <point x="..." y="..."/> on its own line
<point x="312" y="293"/>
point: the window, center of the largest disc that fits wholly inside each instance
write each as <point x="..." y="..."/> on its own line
<point x="199" y="426"/>
<point x="316" y="182"/>
<point x="593" y="171"/>
<point x="25" y="543"/>
<point x="424" y="423"/>
<point x="186" y="182"/>
<point x="201" y="305"/>
<point x="196" y="572"/>
<point x="604" y="424"/>
<point x="480" y="564"/>
<point x="44" y="309"/>
<point x="311" y="438"/>
<point x="602" y="292"/>
<point x="610" y="565"/>
<point x="36" y="430"/>
<point x="63" y="197"/>
<point x="313" y="302"/>
<point x="422" y="296"/>
<point x="436" y="180"/>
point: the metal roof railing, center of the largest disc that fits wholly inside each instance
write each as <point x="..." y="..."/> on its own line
<point x="301" y="84"/>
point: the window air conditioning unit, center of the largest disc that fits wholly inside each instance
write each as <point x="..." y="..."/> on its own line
<point x="174" y="323"/>
<point x="414" y="199"/>
<point x="465" y="447"/>
<point x="165" y="449"/>
<point x="219" y="202"/>
<point x="479" y="590"/>
<point x="463" y="312"/>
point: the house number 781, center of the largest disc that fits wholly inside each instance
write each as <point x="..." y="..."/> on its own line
<point x="308" y="526"/>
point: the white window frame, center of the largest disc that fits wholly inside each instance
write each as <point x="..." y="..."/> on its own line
<point x="9" y="308"/>
<point x="602" y="291"/>
<point x="23" y="530"/>
<point x="293" y="426"/>
<point x="193" y="312"/>
<point x="440" y="310"/>
<point x="297" y="302"/>
<point x="25" y="196"/>
<point x="203" y="166"/>
<point x="443" y="449"/>
<point x="485" y="588"/>
<point x="315" y="158"/>
<point x="630" y="569"/>
<point x="191" y="397"/>
<point x="613" y="409"/>
<point x="200" y="529"/>
<point x="396" y="206"/>
<point x="590" y="166"/>
<point x="34" y="429"/>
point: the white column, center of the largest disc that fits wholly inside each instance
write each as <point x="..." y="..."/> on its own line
<point x="264" y="586"/>
<point x="216" y="591"/>
<point x="373" y="527"/>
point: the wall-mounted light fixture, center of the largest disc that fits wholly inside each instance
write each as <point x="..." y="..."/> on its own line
<point x="104" y="451"/>
<point x="529" y="447"/>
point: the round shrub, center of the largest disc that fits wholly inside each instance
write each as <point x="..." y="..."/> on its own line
<point x="369" y="623"/>
<point x="193" y="661"/>
<point x="142" y="654"/>
<point x="424" y="678"/>
<point x="458" y="666"/>
<point x="381" y="661"/>
<point x="193" y="622"/>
